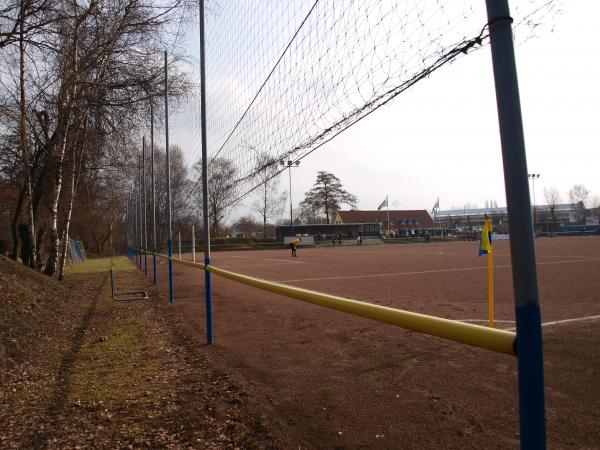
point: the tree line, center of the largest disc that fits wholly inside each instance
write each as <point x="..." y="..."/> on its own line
<point x="78" y="81"/>
<point x="81" y="81"/>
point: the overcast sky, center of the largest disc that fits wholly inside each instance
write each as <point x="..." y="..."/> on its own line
<point x="441" y="137"/>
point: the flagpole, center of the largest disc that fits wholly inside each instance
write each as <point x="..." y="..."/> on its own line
<point x="485" y="247"/>
<point x="387" y="201"/>
<point x="490" y="290"/>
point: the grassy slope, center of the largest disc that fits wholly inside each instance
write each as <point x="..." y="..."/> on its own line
<point x="79" y="369"/>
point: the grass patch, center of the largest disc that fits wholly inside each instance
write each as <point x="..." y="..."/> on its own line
<point x="120" y="263"/>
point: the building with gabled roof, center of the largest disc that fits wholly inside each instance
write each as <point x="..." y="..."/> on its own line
<point x="398" y="219"/>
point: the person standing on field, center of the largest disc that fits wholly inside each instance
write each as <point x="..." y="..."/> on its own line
<point x="294" y="244"/>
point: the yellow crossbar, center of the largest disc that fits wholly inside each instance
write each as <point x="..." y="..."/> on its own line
<point x="501" y="341"/>
<point x="180" y="261"/>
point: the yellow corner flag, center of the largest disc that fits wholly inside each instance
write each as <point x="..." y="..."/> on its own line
<point x="485" y="243"/>
<point x="485" y="248"/>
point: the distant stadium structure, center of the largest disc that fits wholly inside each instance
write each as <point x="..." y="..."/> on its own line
<point x="394" y="223"/>
<point x="559" y="218"/>
<point x="327" y="231"/>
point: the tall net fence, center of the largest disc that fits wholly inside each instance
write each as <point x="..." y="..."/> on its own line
<point x="283" y="78"/>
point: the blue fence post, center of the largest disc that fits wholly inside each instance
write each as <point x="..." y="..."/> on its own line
<point x="527" y="307"/>
<point x="155" y="277"/>
<point x="145" y="217"/>
<point x="171" y="296"/>
<point x="207" y="280"/>
<point x="168" y="161"/>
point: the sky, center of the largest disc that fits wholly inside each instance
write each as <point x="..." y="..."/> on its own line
<point x="441" y="138"/>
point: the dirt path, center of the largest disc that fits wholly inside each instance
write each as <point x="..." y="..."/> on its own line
<point x="86" y="371"/>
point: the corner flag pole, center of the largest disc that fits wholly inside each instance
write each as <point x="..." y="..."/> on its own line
<point x="490" y="285"/>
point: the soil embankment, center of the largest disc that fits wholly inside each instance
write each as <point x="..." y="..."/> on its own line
<point x="78" y="369"/>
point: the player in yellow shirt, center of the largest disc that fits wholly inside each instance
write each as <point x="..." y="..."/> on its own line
<point x="294" y="244"/>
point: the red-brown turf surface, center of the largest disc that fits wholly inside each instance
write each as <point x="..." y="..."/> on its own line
<point x="325" y="379"/>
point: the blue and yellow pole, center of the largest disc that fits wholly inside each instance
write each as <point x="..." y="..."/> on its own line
<point x="527" y="306"/>
<point x="207" y="280"/>
<point x="168" y="158"/>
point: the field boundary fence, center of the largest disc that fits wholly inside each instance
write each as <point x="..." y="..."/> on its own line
<point x="271" y="84"/>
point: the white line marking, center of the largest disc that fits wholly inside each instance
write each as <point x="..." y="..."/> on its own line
<point x="566" y="256"/>
<point x="485" y="320"/>
<point x="577" y="319"/>
<point x="284" y="260"/>
<point x="556" y="322"/>
<point x="380" y="275"/>
<point x="423" y="272"/>
<point x="241" y="257"/>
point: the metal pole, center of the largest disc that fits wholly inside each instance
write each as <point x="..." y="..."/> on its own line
<point x="291" y="216"/>
<point x="207" y="280"/>
<point x="145" y="207"/>
<point x="155" y="278"/>
<point x="533" y="177"/>
<point x="133" y="225"/>
<point x="527" y="307"/>
<point x="387" y="206"/>
<point x="193" y="243"/>
<point x="130" y="225"/>
<point x="170" y="225"/>
<point x="533" y="189"/>
<point x="140" y="205"/>
<point x="127" y="221"/>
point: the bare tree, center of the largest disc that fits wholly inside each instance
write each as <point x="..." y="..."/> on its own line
<point x="180" y="186"/>
<point x="269" y="202"/>
<point x="594" y="201"/>
<point x="85" y="70"/>
<point x="578" y="196"/>
<point x="553" y="199"/>
<point x="30" y="253"/>
<point x="578" y="193"/>
<point x="221" y="192"/>
<point x="247" y="225"/>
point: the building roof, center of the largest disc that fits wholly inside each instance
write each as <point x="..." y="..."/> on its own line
<point x="566" y="207"/>
<point x="415" y="218"/>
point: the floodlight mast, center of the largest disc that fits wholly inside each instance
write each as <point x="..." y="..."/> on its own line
<point x="289" y="163"/>
<point x="533" y="177"/>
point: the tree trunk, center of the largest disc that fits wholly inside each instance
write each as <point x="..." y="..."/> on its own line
<point x="15" y="222"/>
<point x="65" y="243"/>
<point x="75" y="171"/>
<point x="65" y="112"/>
<point x="30" y="257"/>
<point x="52" y="263"/>
<point x="41" y="235"/>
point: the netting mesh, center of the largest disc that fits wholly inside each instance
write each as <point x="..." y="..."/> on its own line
<point x="285" y="77"/>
